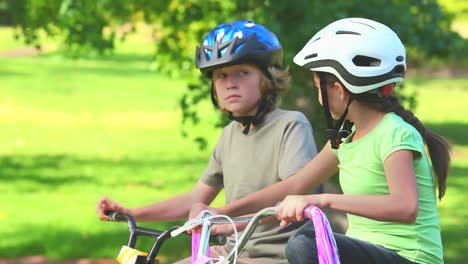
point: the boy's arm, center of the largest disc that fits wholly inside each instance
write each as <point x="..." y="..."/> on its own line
<point x="175" y="208"/>
<point x="316" y="171"/>
<point x="178" y="207"/>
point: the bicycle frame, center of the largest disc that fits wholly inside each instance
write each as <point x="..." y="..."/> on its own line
<point x="326" y="245"/>
<point x="327" y="250"/>
<point x="135" y="231"/>
<point x="206" y="220"/>
<point x="160" y="236"/>
<point x="249" y="230"/>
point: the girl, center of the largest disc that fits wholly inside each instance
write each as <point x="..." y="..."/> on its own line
<point x="261" y="146"/>
<point x="388" y="185"/>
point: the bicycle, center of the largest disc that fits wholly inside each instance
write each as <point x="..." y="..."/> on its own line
<point x="326" y="246"/>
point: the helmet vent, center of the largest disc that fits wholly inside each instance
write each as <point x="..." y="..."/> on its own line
<point x="399" y="69"/>
<point x="310" y="56"/>
<point x="365" y="61"/>
<point x="346" y="32"/>
<point x="365" y="24"/>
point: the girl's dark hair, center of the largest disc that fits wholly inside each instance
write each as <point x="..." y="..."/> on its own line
<point x="438" y="147"/>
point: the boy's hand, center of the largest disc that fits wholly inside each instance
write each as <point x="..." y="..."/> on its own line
<point x="196" y="209"/>
<point x="105" y="204"/>
<point x="227" y="229"/>
<point x="199" y="207"/>
<point x="216" y="229"/>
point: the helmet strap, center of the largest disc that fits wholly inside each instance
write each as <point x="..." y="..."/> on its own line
<point x="266" y="72"/>
<point x="342" y="128"/>
<point x="251" y="121"/>
<point x="214" y="101"/>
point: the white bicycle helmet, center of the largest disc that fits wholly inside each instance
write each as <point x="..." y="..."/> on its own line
<point x="363" y="54"/>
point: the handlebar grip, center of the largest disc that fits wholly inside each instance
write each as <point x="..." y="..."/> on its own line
<point x="116" y="216"/>
<point x="308" y="212"/>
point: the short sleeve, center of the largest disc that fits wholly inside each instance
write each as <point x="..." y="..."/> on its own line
<point x="399" y="138"/>
<point x="213" y="174"/>
<point x="298" y="147"/>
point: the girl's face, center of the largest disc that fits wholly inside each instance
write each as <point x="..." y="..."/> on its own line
<point x="337" y="97"/>
<point x="237" y="88"/>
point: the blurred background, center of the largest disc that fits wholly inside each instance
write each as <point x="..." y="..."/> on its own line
<point x="101" y="97"/>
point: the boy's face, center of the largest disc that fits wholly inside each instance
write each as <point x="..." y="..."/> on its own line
<point x="237" y="88"/>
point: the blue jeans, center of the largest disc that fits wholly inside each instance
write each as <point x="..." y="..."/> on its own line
<point x="301" y="248"/>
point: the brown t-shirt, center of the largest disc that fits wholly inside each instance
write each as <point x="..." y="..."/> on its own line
<point x="242" y="164"/>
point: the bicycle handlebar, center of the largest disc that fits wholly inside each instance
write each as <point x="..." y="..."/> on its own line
<point x="253" y="221"/>
<point x="118" y="217"/>
<point x="161" y="236"/>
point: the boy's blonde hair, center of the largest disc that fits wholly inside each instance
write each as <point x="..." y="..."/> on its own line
<point x="273" y="88"/>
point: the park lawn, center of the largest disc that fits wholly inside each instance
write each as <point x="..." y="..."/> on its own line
<point x="442" y="108"/>
<point x="74" y="130"/>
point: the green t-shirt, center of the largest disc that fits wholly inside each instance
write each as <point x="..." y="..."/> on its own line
<point x="362" y="172"/>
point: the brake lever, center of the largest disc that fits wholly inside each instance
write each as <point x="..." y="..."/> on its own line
<point x="192" y="223"/>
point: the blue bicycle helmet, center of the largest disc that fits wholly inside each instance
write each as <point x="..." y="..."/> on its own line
<point x="241" y="41"/>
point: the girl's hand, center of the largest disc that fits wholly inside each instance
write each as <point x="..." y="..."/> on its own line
<point x="105" y="204"/>
<point x="292" y="207"/>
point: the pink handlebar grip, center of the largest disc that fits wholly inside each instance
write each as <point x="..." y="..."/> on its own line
<point x="327" y="251"/>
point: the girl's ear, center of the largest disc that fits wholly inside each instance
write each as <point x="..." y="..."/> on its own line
<point x="344" y="93"/>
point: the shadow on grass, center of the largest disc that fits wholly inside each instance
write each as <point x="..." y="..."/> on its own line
<point x="112" y="65"/>
<point x="4" y="72"/>
<point x="62" y="244"/>
<point x="111" y="57"/>
<point x="46" y="172"/>
<point x="454" y="132"/>
<point x="453" y="217"/>
<point x="43" y="171"/>
<point x="104" y="70"/>
<point x="126" y="65"/>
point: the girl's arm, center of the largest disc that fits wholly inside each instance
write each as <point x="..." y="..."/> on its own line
<point x="400" y="205"/>
<point x="316" y="171"/>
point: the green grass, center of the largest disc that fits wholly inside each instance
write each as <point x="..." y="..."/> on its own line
<point x="74" y="130"/>
<point x="442" y="108"/>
